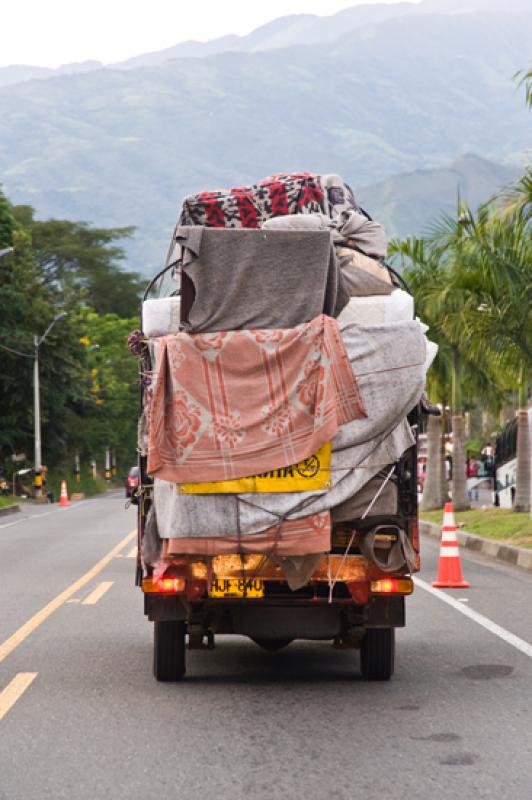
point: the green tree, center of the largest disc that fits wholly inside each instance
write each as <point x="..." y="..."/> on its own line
<point x="59" y="267"/>
<point x="110" y="414"/>
<point x="83" y="263"/>
<point x="451" y="289"/>
<point x="500" y="255"/>
<point x="7" y="222"/>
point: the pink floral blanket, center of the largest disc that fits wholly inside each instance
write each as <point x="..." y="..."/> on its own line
<point x="232" y="404"/>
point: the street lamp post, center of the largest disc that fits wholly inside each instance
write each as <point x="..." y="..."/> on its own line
<point x="36" y="389"/>
<point x="37" y="341"/>
<point x="36" y="408"/>
<point x="37" y="402"/>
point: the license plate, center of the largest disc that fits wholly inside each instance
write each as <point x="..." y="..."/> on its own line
<point x="237" y="587"/>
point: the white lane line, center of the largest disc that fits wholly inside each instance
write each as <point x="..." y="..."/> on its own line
<point x="485" y="622"/>
<point x="45" y="514"/>
<point x="33" y="623"/>
<point x="10" y="524"/>
<point x="99" y="592"/>
<point x="132" y="553"/>
<point x="15" y="690"/>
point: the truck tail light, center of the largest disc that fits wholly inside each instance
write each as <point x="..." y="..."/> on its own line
<point x="392" y="586"/>
<point x="171" y="585"/>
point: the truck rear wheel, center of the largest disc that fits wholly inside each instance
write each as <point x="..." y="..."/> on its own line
<point x="377" y="654"/>
<point x="169" y="650"/>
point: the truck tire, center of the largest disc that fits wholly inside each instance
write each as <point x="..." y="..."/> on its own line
<point x="169" y="650"/>
<point x="272" y="645"/>
<point x="377" y="654"/>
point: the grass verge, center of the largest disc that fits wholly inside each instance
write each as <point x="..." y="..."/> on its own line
<point x="7" y="501"/>
<point x="87" y="485"/>
<point x="493" y="523"/>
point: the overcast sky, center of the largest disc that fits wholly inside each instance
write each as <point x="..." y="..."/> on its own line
<point x="48" y="33"/>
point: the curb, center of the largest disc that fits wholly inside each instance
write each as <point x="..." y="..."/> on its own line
<point x="9" y="510"/>
<point x="508" y="553"/>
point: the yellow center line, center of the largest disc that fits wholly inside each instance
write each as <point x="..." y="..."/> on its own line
<point x="94" y="596"/>
<point x="14" y="690"/>
<point x="24" y="631"/>
<point x="132" y="553"/>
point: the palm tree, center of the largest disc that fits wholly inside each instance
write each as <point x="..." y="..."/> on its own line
<point x="525" y="78"/>
<point x="433" y="264"/>
<point x="448" y="285"/>
<point x="523" y="467"/>
<point x="422" y="275"/>
<point x="501" y="256"/>
<point x="432" y="485"/>
<point x="435" y="490"/>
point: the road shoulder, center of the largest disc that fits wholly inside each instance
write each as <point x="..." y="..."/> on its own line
<point x="507" y="553"/>
<point x="12" y="509"/>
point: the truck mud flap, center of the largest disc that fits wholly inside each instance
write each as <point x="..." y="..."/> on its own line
<point x="161" y="608"/>
<point x="385" y="612"/>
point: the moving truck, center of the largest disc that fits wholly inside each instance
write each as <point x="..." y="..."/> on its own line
<point x="349" y="599"/>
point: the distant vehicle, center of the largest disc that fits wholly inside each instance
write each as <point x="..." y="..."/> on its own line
<point x="506" y="463"/>
<point x="132" y="481"/>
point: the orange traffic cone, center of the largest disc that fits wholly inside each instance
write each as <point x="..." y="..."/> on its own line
<point x="449" y="567"/>
<point x="63" y="500"/>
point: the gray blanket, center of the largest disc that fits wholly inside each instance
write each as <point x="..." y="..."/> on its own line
<point x="389" y="363"/>
<point x="356" y="230"/>
<point x="181" y="515"/>
<point x="350" y="228"/>
<point x="386" y="503"/>
<point x="259" y="278"/>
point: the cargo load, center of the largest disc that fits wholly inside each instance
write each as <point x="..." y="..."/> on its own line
<point x="282" y="369"/>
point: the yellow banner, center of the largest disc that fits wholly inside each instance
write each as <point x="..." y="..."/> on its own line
<point x="309" y="475"/>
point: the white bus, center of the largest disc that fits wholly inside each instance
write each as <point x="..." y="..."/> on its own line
<point x="506" y="463"/>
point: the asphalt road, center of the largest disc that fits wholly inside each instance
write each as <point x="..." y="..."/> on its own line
<point x="84" y="718"/>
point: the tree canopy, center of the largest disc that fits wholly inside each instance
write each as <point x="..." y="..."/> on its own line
<point x="59" y="266"/>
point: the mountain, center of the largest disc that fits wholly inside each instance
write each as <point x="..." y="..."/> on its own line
<point x="407" y="204"/>
<point x="467" y="6"/>
<point x="17" y="73"/>
<point x="289" y="31"/>
<point x="409" y="93"/>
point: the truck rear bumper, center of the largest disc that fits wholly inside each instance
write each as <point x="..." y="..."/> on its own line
<point x="315" y="611"/>
<point x="264" y="620"/>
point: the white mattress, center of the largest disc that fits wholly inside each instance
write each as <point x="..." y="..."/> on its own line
<point x="161" y="316"/>
<point x="381" y="309"/>
<point x="378" y="309"/>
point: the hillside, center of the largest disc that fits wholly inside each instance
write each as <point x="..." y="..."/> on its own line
<point x="288" y="31"/>
<point x="407" y="204"/>
<point x="18" y="73"/>
<point x="119" y="147"/>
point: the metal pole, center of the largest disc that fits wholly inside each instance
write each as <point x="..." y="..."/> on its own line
<point x="37" y="418"/>
<point x="37" y="403"/>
